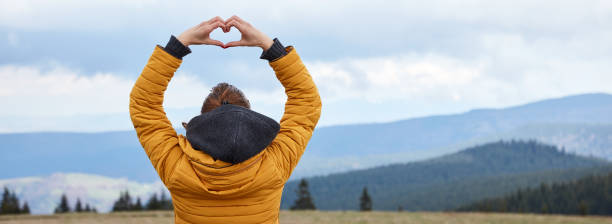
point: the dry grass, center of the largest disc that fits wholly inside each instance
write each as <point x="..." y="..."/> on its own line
<point x="312" y="217"/>
<point x="91" y="218"/>
<point x="433" y="217"/>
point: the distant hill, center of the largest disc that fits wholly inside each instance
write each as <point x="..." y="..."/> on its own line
<point x="451" y="195"/>
<point x="340" y="148"/>
<point x="444" y="130"/>
<point x="583" y="139"/>
<point x="43" y="193"/>
<point x="446" y="182"/>
<point x="477" y="173"/>
<point x="586" y="196"/>
<point x="114" y="154"/>
<point x="580" y="123"/>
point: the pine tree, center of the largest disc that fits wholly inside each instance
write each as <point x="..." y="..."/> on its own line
<point x="15" y="204"/>
<point x="365" y="202"/>
<point x="165" y="203"/>
<point x="63" y="206"/>
<point x="87" y="208"/>
<point x="10" y="203"/>
<point x="583" y="208"/>
<point x="124" y="203"/>
<point x="128" y="201"/>
<point x="138" y="205"/>
<point x="4" y="201"/>
<point x="304" y="200"/>
<point x="25" y="209"/>
<point x="586" y="196"/>
<point x="5" y="207"/>
<point x="78" y="207"/>
<point x="153" y="203"/>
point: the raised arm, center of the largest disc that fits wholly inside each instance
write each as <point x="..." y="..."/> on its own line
<point x="303" y="106"/>
<point x="302" y="111"/>
<point x="154" y="130"/>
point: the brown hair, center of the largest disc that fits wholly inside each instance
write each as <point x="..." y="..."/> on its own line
<point x="224" y="93"/>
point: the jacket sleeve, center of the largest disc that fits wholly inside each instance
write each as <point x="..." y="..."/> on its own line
<point x="153" y="128"/>
<point x="302" y="112"/>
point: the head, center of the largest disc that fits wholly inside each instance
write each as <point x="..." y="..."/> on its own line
<point x="223" y="93"/>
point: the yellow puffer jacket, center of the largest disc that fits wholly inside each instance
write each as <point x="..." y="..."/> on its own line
<point x="207" y="191"/>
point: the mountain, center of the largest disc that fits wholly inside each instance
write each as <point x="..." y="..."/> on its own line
<point x="589" y="195"/>
<point x="114" y="154"/>
<point x="583" y="139"/>
<point x="43" y="193"/>
<point x="342" y="148"/>
<point x="442" y="183"/>
<point x="447" y="181"/>
<point x="457" y="193"/>
<point x="419" y="133"/>
<point x="580" y="123"/>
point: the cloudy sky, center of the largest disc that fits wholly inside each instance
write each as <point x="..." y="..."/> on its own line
<point x="69" y="65"/>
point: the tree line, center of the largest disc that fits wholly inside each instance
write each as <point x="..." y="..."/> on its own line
<point x="10" y="204"/>
<point x="125" y="202"/>
<point x="591" y="195"/>
<point x="304" y="200"/>
<point x="478" y="172"/>
<point x="64" y="207"/>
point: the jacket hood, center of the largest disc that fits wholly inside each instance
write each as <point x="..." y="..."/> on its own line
<point x="231" y="133"/>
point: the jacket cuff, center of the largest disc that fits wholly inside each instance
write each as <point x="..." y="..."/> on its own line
<point x="276" y="51"/>
<point x="175" y="48"/>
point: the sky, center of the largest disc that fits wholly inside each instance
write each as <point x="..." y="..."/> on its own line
<point x="69" y="65"/>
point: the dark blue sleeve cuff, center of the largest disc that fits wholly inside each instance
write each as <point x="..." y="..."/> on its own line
<point x="175" y="48"/>
<point x="276" y="51"/>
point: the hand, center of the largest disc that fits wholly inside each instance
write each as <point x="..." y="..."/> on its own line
<point x="200" y="34"/>
<point x="249" y="35"/>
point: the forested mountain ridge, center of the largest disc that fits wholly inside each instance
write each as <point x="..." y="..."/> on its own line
<point x="586" y="129"/>
<point x="586" y="196"/>
<point x="409" y="181"/>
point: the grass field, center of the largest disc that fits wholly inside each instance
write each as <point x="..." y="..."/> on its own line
<point x="313" y="217"/>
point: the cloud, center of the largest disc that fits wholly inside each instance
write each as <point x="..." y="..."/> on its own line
<point x="13" y="39"/>
<point x="68" y="14"/>
<point x="56" y="97"/>
<point x="420" y="58"/>
<point x="393" y="78"/>
<point x="105" y="15"/>
<point x="60" y="91"/>
<point x="522" y="71"/>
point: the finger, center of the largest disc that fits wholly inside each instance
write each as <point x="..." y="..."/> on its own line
<point x="214" y="26"/>
<point x="227" y="27"/>
<point x="241" y="21"/>
<point x="235" y="23"/>
<point x="235" y="44"/>
<point x="238" y="19"/>
<point x="210" y="21"/>
<point x="233" y="19"/>
<point x="215" y="19"/>
<point x="215" y="42"/>
<point x="230" y="19"/>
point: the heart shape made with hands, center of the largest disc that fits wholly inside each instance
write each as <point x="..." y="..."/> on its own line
<point x="225" y="37"/>
<point x="249" y="36"/>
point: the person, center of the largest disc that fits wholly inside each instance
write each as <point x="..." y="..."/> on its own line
<point x="232" y="164"/>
